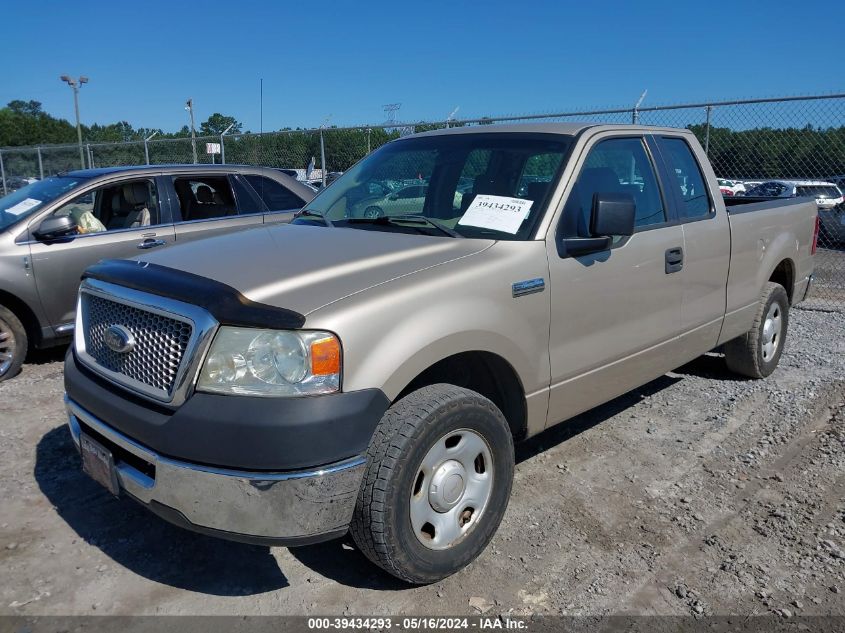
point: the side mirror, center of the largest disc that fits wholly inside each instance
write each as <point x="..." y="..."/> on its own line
<point x="612" y="215"/>
<point x="55" y="227"/>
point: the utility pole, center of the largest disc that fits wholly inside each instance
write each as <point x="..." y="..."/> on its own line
<point x="75" y="85"/>
<point x="323" y="150"/>
<point x="189" y="106"/>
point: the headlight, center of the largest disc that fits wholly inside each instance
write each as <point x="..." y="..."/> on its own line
<point x="271" y="363"/>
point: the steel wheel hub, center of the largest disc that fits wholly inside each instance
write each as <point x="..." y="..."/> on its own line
<point x="447" y="486"/>
<point x="451" y="490"/>
<point x="772" y="327"/>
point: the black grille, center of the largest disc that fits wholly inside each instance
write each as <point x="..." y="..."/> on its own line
<point x="160" y="341"/>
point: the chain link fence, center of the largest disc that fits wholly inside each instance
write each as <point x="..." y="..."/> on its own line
<point x="748" y="142"/>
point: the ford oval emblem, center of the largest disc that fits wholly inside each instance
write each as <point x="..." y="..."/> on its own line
<point x="118" y="339"/>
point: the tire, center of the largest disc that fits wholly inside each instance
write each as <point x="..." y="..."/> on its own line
<point x="397" y="488"/>
<point x="13" y="344"/>
<point x="757" y="352"/>
<point x="373" y="212"/>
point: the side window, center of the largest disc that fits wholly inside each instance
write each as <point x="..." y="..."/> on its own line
<point x="409" y="193"/>
<point x="128" y="205"/>
<point x="204" y="197"/>
<point x="275" y="195"/>
<point x="619" y="165"/>
<point x="689" y="181"/>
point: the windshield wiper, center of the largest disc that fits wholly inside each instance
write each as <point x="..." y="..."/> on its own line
<point x="398" y="219"/>
<point x="313" y="214"/>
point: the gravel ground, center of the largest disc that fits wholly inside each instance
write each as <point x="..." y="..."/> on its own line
<point x="697" y="494"/>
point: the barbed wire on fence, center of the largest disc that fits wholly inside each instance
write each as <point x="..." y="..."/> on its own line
<point x="788" y="138"/>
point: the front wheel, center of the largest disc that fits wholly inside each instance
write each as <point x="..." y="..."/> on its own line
<point x="13" y="344"/>
<point x="439" y="474"/>
<point x="757" y="352"/>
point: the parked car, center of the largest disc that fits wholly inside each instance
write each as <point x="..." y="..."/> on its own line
<point x="827" y="195"/>
<point x="286" y="385"/>
<point x="731" y="187"/>
<point x="410" y="197"/>
<point x="52" y="229"/>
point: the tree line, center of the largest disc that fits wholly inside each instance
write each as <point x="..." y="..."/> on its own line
<point x="24" y="123"/>
<point x="757" y="153"/>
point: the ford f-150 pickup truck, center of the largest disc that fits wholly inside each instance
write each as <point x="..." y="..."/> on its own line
<point x="371" y="372"/>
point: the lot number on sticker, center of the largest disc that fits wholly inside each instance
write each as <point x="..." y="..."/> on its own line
<point x="498" y="213"/>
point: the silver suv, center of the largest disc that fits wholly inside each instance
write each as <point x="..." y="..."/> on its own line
<point x="52" y="229"/>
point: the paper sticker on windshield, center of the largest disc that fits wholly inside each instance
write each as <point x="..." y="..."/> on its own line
<point x="23" y="206"/>
<point x="498" y="213"/>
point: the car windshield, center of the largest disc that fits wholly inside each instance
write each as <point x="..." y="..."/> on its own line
<point x="22" y="203"/>
<point x="484" y="185"/>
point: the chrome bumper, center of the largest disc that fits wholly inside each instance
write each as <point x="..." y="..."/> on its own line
<point x="286" y="508"/>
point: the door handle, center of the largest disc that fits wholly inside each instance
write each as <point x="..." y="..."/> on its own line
<point x="674" y="260"/>
<point x="151" y="243"/>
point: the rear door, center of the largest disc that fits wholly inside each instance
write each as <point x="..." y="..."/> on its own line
<point x="212" y="204"/>
<point x="707" y="240"/>
<point x="114" y="223"/>
<point x="280" y="203"/>
<point x="615" y="315"/>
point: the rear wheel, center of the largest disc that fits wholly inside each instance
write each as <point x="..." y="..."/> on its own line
<point x="373" y="212"/>
<point x="13" y="344"/>
<point x="757" y="352"/>
<point x="438" y="480"/>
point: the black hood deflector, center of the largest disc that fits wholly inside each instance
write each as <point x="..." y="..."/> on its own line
<point x="225" y="303"/>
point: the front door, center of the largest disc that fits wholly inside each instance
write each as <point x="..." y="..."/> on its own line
<point x="115" y="221"/>
<point x="615" y="314"/>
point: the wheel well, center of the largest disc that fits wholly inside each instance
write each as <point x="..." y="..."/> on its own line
<point x="486" y="373"/>
<point x="26" y="316"/>
<point x="784" y="274"/>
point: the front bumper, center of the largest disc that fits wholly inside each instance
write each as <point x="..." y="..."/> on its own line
<point x="283" y="508"/>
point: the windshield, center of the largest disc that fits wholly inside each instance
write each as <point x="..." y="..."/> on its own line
<point x="22" y="203"/>
<point x="489" y="185"/>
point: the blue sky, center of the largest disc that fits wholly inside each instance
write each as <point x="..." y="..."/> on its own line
<point x="347" y="59"/>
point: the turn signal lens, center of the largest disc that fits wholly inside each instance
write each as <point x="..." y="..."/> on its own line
<point x="325" y="357"/>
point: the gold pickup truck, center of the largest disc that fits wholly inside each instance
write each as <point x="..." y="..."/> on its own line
<point x="371" y="372"/>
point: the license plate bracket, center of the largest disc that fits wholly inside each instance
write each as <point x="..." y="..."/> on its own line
<point x="98" y="463"/>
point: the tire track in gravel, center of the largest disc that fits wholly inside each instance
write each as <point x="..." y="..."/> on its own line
<point x="654" y="589"/>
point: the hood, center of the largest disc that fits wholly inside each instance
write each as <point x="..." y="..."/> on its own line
<point x="303" y="268"/>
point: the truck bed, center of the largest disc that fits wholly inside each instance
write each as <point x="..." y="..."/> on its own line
<point x="762" y="230"/>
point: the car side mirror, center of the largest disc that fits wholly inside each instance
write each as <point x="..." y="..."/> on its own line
<point x="612" y="215"/>
<point x="55" y="227"/>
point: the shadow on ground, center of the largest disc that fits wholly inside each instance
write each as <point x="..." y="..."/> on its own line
<point x="139" y="540"/>
<point x="154" y="549"/>
<point x="587" y="420"/>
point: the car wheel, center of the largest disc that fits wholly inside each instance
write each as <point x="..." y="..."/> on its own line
<point x="757" y="352"/>
<point x="373" y="212"/>
<point x="13" y="344"/>
<point x="438" y="479"/>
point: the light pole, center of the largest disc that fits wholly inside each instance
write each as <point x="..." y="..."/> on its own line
<point x="76" y="85"/>
<point x="189" y="106"/>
